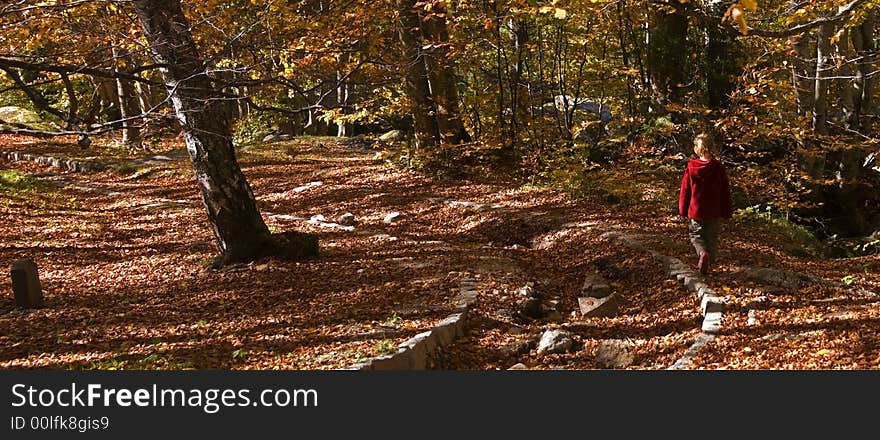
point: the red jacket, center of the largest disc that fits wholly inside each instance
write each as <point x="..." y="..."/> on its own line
<point x="705" y="191"/>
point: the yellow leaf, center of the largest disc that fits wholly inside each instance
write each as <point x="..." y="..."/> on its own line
<point x="560" y="13"/>
<point x="823" y="351"/>
<point x="751" y="5"/>
<point x="743" y="27"/>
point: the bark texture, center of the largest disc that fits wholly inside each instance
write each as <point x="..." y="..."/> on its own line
<point x="240" y="231"/>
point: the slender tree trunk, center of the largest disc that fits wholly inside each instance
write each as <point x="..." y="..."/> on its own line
<point x="802" y="73"/>
<point x="238" y="227"/>
<point x="427" y="130"/>
<point x="83" y="140"/>
<point x="341" y="94"/>
<point x="866" y="66"/>
<point x="820" y="102"/>
<point x="128" y="108"/>
<point x="624" y="56"/>
<point x="846" y="84"/>
<point x="444" y="87"/>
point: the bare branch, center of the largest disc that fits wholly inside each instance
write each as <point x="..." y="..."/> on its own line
<point x="129" y="74"/>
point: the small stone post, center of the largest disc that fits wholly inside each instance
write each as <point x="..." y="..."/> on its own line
<point x="26" y="284"/>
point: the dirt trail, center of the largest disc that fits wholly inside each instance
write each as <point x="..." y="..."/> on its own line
<point x="121" y="268"/>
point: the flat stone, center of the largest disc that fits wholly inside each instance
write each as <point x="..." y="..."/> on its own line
<point x="752" y="318"/>
<point x="26" y="284"/>
<point x="555" y="341"/>
<point x="712" y="323"/>
<point x="414" y="355"/>
<point x="703" y="292"/>
<point x="396" y="361"/>
<point x="530" y="307"/>
<point x="450" y="328"/>
<point x="361" y="366"/>
<point x="693" y="284"/>
<point x="610" y="235"/>
<point x="428" y="339"/>
<point x="711" y="304"/>
<point x="614" y="353"/>
<point x="467" y="299"/>
<point x="778" y="278"/>
<point x="519" y="366"/>
<point x="391" y="217"/>
<point x="347" y="219"/>
<point x="595" y="286"/>
<point x="598" y="307"/>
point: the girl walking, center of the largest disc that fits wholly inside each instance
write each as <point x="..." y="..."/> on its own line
<point x="705" y="199"/>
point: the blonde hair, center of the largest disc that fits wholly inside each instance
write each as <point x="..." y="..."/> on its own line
<point x="704" y="146"/>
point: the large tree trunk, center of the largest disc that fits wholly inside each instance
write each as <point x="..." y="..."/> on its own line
<point x="444" y="88"/>
<point x="802" y="73"/>
<point x="667" y="55"/>
<point x="427" y="130"/>
<point x="238" y="227"/>
<point x="722" y="63"/>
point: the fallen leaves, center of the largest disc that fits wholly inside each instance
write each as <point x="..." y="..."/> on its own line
<point x="122" y="277"/>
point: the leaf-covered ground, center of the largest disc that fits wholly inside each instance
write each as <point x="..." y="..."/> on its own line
<point x="121" y="255"/>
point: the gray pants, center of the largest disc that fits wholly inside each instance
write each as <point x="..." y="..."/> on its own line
<point x="704" y="236"/>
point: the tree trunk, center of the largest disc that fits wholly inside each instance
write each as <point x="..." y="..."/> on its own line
<point x="40" y="102"/>
<point x="427" y="130"/>
<point x="863" y="43"/>
<point x="722" y="63"/>
<point x="444" y="87"/>
<point x="847" y="82"/>
<point x="129" y="108"/>
<point x="802" y="74"/>
<point x="820" y="101"/>
<point x="667" y="55"/>
<point x="238" y="227"/>
<point x="341" y="94"/>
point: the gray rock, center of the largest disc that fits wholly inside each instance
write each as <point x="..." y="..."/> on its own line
<point x="614" y="353"/>
<point x="712" y="322"/>
<point x="598" y="307"/>
<point x="270" y="138"/>
<point x="711" y="304"/>
<point x="347" y="219"/>
<point x="555" y="341"/>
<point x="752" y="318"/>
<point x="519" y="366"/>
<point x="530" y="307"/>
<point x="526" y="292"/>
<point x="595" y="286"/>
<point x="392" y="136"/>
<point x="26" y="284"/>
<point x="778" y="278"/>
<point x="391" y="217"/>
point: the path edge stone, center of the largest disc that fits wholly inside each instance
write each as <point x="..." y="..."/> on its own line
<point x="413" y="354"/>
<point x="711" y="305"/>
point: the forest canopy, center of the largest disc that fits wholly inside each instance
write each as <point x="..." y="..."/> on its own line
<point x="550" y="91"/>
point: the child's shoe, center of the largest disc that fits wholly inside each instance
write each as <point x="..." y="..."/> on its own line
<point x="704" y="263"/>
